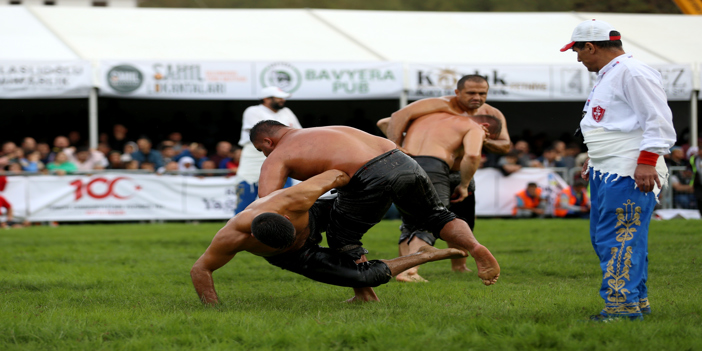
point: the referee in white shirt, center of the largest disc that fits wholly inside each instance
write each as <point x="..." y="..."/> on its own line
<point x="272" y="107"/>
<point x="627" y="126"/>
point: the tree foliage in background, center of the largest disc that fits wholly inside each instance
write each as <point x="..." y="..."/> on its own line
<point x="620" y="6"/>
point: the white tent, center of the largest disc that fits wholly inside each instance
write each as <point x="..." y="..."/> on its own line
<point x="344" y="35"/>
<point x="371" y="39"/>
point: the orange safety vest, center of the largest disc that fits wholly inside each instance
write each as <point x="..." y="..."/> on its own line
<point x="572" y="200"/>
<point x="529" y="202"/>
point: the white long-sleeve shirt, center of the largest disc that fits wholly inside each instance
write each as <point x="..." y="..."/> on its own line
<point x="628" y="96"/>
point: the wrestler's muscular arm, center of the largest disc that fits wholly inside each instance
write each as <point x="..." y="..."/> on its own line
<point x="274" y="173"/>
<point x="502" y="144"/>
<point x="226" y="243"/>
<point x="400" y="120"/>
<point x="472" y="145"/>
<point x="302" y="196"/>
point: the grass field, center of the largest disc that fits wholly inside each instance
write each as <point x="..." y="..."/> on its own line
<point x="127" y="287"/>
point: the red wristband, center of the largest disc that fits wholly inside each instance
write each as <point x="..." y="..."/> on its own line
<point x="647" y="158"/>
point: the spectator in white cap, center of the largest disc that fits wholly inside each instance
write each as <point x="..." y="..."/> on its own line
<point x="627" y="126"/>
<point x="272" y="107"/>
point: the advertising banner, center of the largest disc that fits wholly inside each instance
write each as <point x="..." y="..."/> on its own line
<point x="677" y="81"/>
<point x="532" y="83"/>
<point x="507" y="83"/>
<point x="117" y="197"/>
<point x="176" y="80"/>
<point x="243" y="81"/>
<point x="332" y="81"/>
<point x="40" y="80"/>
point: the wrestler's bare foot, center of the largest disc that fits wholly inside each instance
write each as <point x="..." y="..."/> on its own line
<point x="488" y="268"/>
<point x="410" y="276"/>
<point x="363" y="295"/>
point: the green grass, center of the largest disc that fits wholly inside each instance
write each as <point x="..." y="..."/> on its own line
<point x="127" y="287"/>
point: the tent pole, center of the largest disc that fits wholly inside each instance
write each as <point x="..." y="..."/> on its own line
<point x="93" y="118"/>
<point x="403" y="99"/>
<point x="693" y="118"/>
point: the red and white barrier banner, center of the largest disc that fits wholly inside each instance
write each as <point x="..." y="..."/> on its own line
<point x="532" y="83"/>
<point x="45" y="79"/>
<point x="121" y="197"/>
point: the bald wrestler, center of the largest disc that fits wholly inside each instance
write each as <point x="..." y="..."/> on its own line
<point x="381" y="174"/>
<point x="285" y="229"/>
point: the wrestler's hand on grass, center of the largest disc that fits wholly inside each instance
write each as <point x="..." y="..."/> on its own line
<point x="646" y="177"/>
<point x="586" y="169"/>
<point x="459" y="194"/>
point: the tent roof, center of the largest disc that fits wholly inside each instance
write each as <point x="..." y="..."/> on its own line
<point x="24" y="37"/>
<point x="511" y="38"/>
<point x="242" y="35"/>
<point x="330" y="35"/>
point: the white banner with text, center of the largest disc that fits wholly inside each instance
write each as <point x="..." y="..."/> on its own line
<point x="532" y="83"/>
<point x="41" y="80"/>
<point x="243" y="81"/>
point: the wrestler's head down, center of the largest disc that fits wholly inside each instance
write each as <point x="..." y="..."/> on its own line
<point x="471" y="91"/>
<point x="494" y="125"/>
<point x="273" y="230"/>
<point x="261" y="135"/>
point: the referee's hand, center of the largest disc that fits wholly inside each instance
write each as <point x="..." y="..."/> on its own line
<point x="646" y="178"/>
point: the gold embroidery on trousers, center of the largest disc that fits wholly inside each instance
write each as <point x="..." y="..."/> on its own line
<point x="620" y="263"/>
<point x="643" y="303"/>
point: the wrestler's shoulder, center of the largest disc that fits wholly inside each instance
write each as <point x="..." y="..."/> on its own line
<point x="488" y="109"/>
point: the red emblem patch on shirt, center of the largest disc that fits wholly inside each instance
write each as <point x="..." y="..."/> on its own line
<point x="597" y="113"/>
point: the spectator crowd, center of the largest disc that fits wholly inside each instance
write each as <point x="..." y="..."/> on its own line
<point x="116" y="151"/>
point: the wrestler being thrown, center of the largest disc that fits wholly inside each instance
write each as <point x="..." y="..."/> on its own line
<point x="285" y="228"/>
<point x="380" y="175"/>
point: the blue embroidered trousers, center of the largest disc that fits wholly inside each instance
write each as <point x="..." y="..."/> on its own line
<point x="619" y="222"/>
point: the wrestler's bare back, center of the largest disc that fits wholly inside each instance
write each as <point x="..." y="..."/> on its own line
<point x="311" y="151"/>
<point x="439" y="135"/>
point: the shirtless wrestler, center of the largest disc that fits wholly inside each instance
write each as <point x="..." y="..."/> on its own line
<point x="471" y="94"/>
<point x="381" y="174"/>
<point x="440" y="142"/>
<point x="285" y="229"/>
